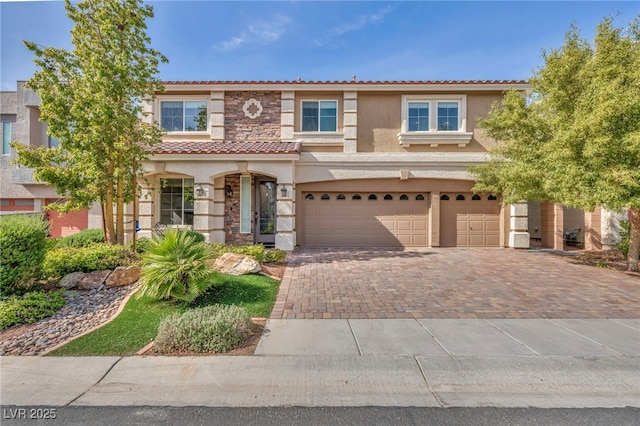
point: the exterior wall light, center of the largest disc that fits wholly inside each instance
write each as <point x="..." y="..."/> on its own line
<point x="199" y="190"/>
<point x="228" y="191"/>
<point x="283" y="191"/>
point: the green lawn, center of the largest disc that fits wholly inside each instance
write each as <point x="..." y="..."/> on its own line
<point x="137" y="324"/>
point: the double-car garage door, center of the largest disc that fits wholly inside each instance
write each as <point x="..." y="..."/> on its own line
<point x="355" y="219"/>
<point x="396" y="219"/>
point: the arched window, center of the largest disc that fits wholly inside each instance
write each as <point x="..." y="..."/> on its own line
<point x="388" y="197"/>
<point x="309" y="197"/>
<point x="419" y="197"/>
<point x="340" y="197"/>
<point x="404" y="197"/>
<point x="356" y="197"/>
<point x="492" y="197"/>
<point x="476" y="197"/>
<point x="460" y="197"/>
<point x="373" y="197"/>
<point x="324" y="197"/>
<point x="444" y="197"/>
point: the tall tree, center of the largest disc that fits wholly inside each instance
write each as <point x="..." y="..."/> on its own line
<point x="574" y="137"/>
<point x="91" y="100"/>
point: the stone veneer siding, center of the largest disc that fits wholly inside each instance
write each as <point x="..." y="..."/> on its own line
<point x="239" y="127"/>
<point x="232" y="213"/>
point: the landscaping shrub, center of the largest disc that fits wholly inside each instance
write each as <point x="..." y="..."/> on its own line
<point x="215" y="328"/>
<point x="198" y="237"/>
<point x="22" y="251"/>
<point x="174" y="267"/>
<point x="29" y="308"/>
<point x="83" y="238"/>
<point x="274" y="256"/>
<point x="64" y="260"/>
<point x="256" y="250"/>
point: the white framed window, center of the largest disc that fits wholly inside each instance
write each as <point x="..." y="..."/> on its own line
<point x="245" y="204"/>
<point x="434" y="120"/>
<point x="184" y="115"/>
<point x="319" y="116"/>
<point x="176" y="201"/>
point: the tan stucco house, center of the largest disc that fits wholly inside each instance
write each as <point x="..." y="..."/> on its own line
<point x="319" y="164"/>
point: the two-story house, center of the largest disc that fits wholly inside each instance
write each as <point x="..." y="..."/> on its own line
<point x="327" y="164"/>
<point x="313" y="164"/>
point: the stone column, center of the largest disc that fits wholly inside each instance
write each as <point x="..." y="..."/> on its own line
<point x="350" y="122"/>
<point x="203" y="193"/>
<point x="434" y="220"/>
<point x="519" y="226"/>
<point x="285" y="211"/>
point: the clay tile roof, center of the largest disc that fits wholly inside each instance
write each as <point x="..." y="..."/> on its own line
<point x="208" y="147"/>
<point x="352" y="82"/>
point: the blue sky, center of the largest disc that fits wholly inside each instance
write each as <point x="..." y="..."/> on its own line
<point x="329" y="40"/>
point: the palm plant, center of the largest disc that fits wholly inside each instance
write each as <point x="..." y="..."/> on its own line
<point x="174" y="267"/>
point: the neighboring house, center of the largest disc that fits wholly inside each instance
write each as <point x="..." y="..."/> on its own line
<point x="19" y="193"/>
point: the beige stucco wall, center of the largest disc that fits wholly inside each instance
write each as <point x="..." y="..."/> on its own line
<point x="380" y="121"/>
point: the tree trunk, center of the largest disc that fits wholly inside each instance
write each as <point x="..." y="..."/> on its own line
<point x="634" y="239"/>
<point x="108" y="215"/>
<point x="119" y="211"/>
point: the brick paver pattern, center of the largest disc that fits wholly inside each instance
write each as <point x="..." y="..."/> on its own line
<point x="450" y="283"/>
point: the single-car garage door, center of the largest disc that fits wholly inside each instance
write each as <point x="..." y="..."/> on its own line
<point x="359" y="219"/>
<point x="469" y="220"/>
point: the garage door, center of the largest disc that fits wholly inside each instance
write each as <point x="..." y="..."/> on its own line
<point x="354" y="219"/>
<point x="469" y="220"/>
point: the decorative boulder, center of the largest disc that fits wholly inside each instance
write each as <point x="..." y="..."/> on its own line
<point x="93" y="280"/>
<point x="71" y="280"/>
<point x="123" y="275"/>
<point x="236" y="264"/>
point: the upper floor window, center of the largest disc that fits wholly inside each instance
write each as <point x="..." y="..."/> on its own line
<point x="6" y="137"/>
<point x="434" y="120"/>
<point x="319" y="116"/>
<point x="183" y="116"/>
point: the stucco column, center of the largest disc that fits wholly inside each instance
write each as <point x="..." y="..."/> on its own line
<point x="519" y="226"/>
<point x="145" y="210"/>
<point x="285" y="223"/>
<point x="434" y="220"/>
<point x="558" y="227"/>
<point x="217" y="234"/>
<point x="350" y="119"/>
<point x="203" y="206"/>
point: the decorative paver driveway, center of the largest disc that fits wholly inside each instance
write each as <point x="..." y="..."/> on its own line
<point x="450" y="283"/>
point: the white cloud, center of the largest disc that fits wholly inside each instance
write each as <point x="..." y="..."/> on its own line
<point x="263" y="32"/>
<point x="362" y="22"/>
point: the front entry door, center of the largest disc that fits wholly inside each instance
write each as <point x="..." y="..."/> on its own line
<point x="265" y="211"/>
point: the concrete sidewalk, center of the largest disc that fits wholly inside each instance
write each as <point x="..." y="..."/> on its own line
<point x="446" y="363"/>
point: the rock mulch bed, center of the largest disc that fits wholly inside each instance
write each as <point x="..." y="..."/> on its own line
<point x="84" y="311"/>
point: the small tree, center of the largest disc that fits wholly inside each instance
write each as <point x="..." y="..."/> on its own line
<point x="574" y="138"/>
<point x="91" y="100"/>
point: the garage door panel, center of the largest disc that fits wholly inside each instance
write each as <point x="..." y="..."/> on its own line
<point x="469" y="222"/>
<point x="360" y="223"/>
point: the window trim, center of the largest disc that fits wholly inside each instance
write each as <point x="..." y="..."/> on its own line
<point x="316" y="132"/>
<point x="204" y="99"/>
<point x="182" y="207"/>
<point x="434" y="137"/>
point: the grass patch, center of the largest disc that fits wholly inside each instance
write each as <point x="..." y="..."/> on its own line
<point x="137" y="324"/>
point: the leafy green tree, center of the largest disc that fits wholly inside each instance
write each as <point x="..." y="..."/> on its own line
<point x="574" y="137"/>
<point x="91" y="100"/>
